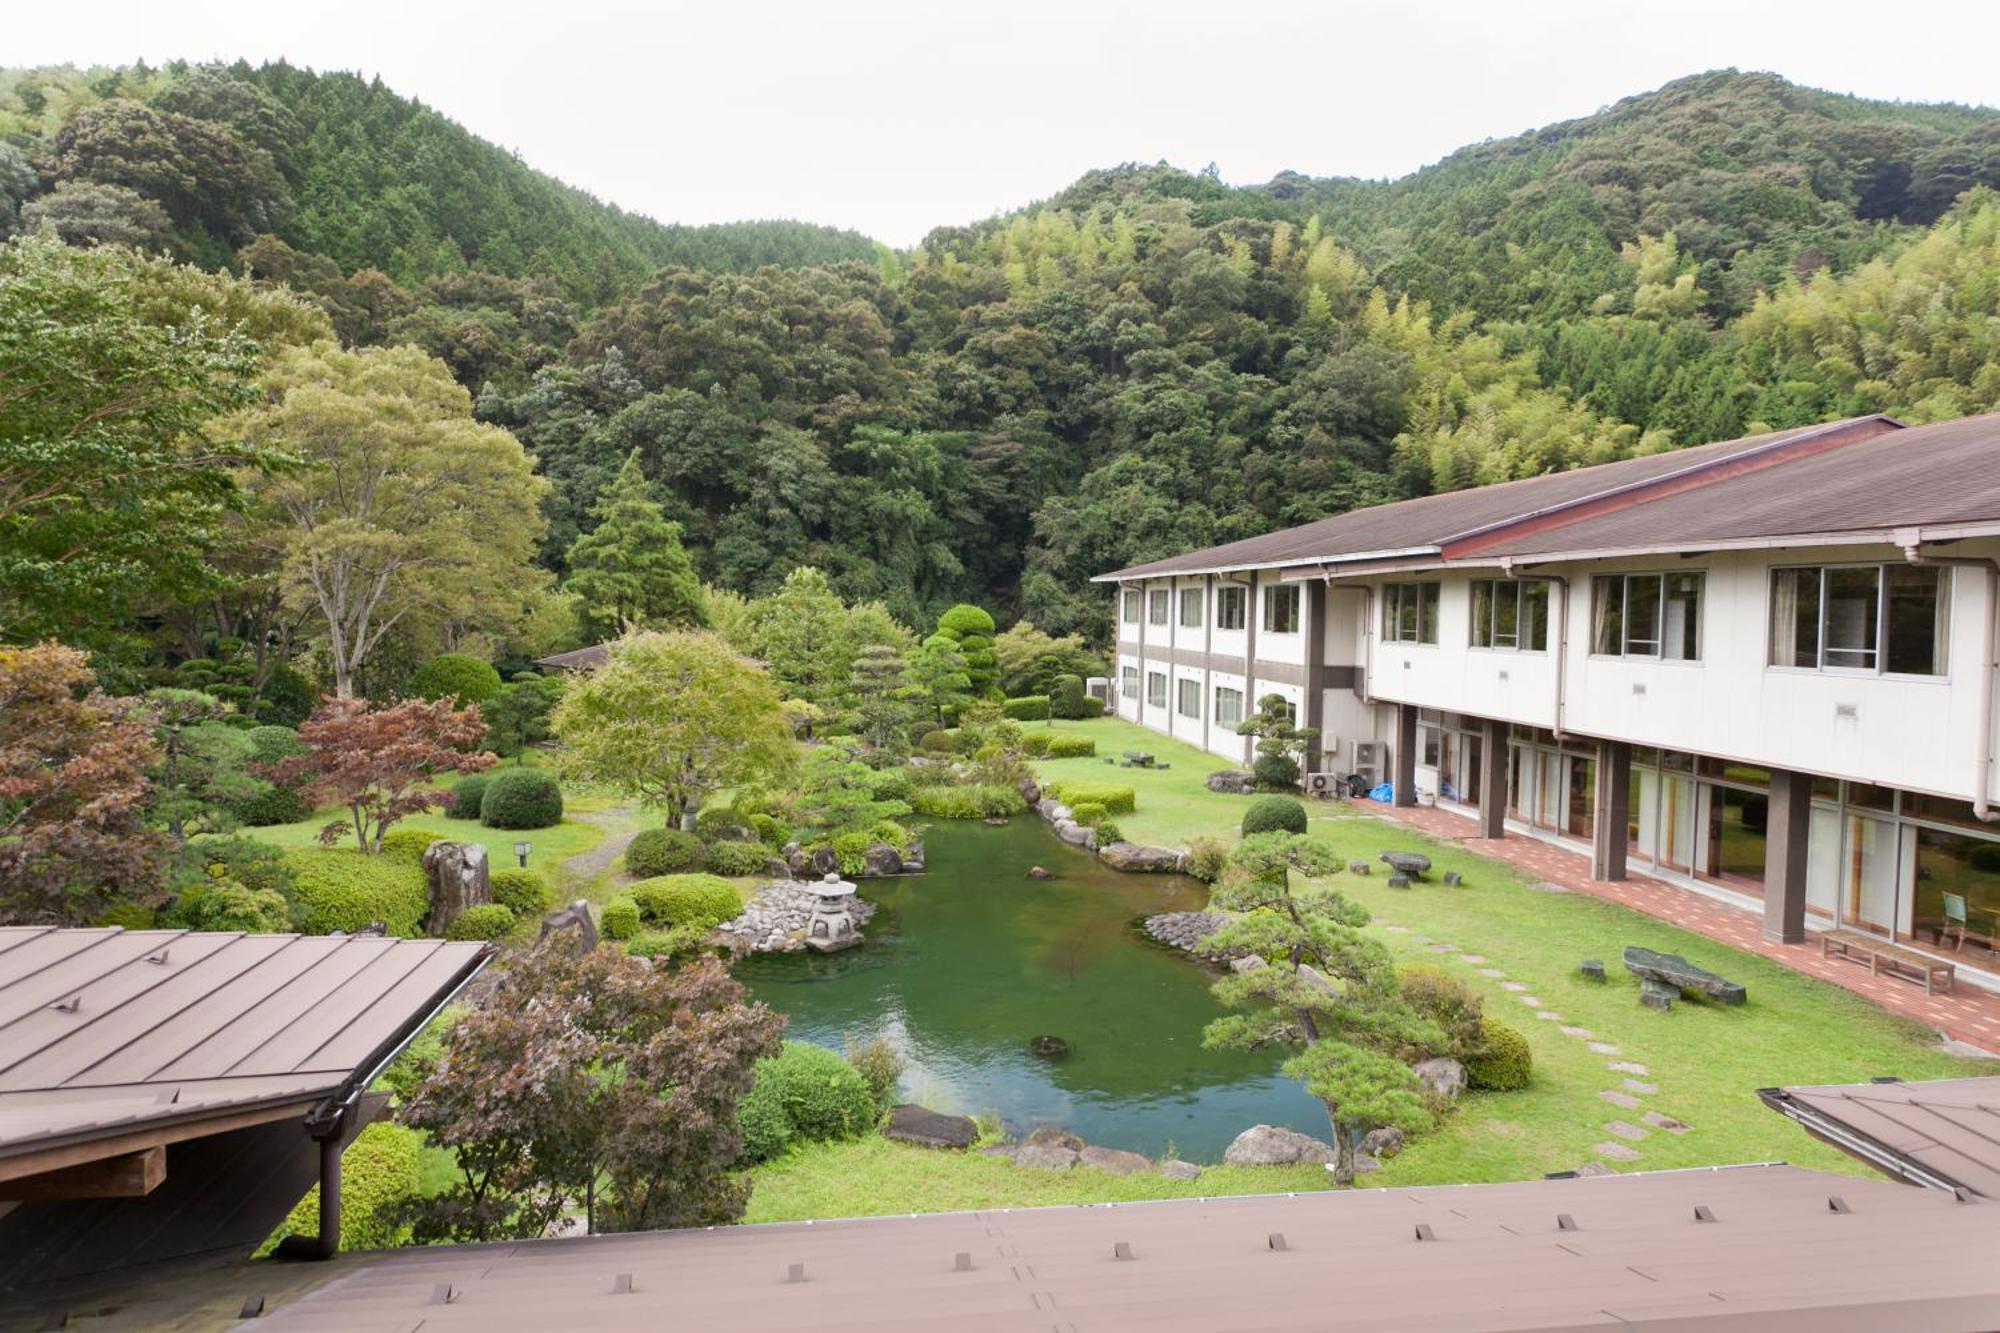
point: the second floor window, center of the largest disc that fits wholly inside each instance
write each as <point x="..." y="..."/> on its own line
<point x="1883" y="618"/>
<point x="1510" y="613"/>
<point x="1156" y="688"/>
<point x="1191" y="608"/>
<point x="1647" y="615"/>
<point x="1230" y="599"/>
<point x="1410" y="613"/>
<point x="1131" y="608"/>
<point x="1156" y="609"/>
<point x="1228" y="705"/>
<point x="1281" y="610"/>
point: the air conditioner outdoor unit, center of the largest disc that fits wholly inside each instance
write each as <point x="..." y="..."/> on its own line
<point x="1369" y="760"/>
<point x="1326" y="786"/>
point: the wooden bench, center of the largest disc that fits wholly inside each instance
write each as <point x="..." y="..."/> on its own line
<point x="1893" y="959"/>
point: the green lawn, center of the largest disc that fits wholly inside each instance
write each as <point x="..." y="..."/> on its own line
<point x="1705" y="1062"/>
<point x="551" y="846"/>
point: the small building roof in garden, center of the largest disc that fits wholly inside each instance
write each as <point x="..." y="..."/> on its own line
<point x="577" y="659"/>
<point x="1943" y="1133"/>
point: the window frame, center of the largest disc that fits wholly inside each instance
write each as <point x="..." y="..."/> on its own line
<point x="1161" y="677"/>
<point x="1414" y="605"/>
<point x="1182" y="684"/>
<point x="1128" y="682"/>
<point x="1129" y="611"/>
<point x="1195" y="597"/>
<point x="1232" y="597"/>
<point x="1663" y="597"/>
<point x="1521" y="597"/>
<point x="1159" y="606"/>
<point x="1947" y="588"/>
<point x="1221" y="690"/>
<point x="1294" y="597"/>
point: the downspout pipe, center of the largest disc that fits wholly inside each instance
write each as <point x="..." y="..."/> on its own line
<point x="1561" y="627"/>
<point x="1912" y="542"/>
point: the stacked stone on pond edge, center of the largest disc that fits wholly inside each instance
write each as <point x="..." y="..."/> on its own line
<point x="776" y="917"/>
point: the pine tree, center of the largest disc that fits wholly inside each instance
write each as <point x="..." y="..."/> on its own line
<point x="883" y="701"/>
<point x="631" y="567"/>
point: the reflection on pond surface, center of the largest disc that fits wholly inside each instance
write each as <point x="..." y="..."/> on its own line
<point x="965" y="964"/>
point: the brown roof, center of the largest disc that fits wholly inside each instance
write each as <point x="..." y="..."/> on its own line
<point x="578" y="659"/>
<point x="1430" y="521"/>
<point x="1944" y="1133"/>
<point x="1773" y="1247"/>
<point x="104" y="1032"/>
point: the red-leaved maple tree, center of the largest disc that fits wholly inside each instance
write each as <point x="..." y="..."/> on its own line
<point x="379" y="760"/>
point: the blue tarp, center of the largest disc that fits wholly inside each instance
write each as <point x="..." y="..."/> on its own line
<point x="1386" y="793"/>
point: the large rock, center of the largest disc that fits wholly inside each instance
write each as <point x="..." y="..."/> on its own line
<point x="1676" y="971"/>
<point x="1135" y="859"/>
<point x="1116" y="1161"/>
<point x="913" y="859"/>
<point x="1055" y="811"/>
<point x="1414" y="864"/>
<point x="458" y="878"/>
<point x="824" y="862"/>
<point x="1076" y="835"/>
<point x="1267" y="1145"/>
<point x="1443" y="1078"/>
<point x="1233" y="782"/>
<point x="570" y="927"/>
<point x="1045" y="1157"/>
<point x="882" y="859"/>
<point x="1052" y="1136"/>
<point x="1176" y="1169"/>
<point x="1249" y="962"/>
<point x="929" y="1129"/>
<point x="1383" y="1143"/>
<point x="1031" y="791"/>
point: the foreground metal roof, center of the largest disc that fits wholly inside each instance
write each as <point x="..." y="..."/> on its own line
<point x="1768" y="1247"/>
<point x="1943" y="1133"/>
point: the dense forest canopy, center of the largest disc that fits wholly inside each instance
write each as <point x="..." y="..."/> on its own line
<point x="1148" y="361"/>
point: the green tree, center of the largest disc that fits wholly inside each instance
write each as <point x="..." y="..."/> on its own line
<point x="883" y="697"/>
<point x="1281" y="742"/>
<point x="938" y="676"/>
<point x="803" y="634"/>
<point x="630" y="570"/>
<point x="971" y="629"/>
<point x="204" y="768"/>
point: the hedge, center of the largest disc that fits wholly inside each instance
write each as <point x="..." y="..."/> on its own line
<point x="619" y="920"/>
<point x="1058" y="745"/>
<point x="522" y="892"/>
<point x="804" y="1092"/>
<point x="891" y="784"/>
<point x="378" y="1169"/>
<point x="1115" y="799"/>
<point x="129" y="915"/>
<point x="407" y="845"/>
<point x="1088" y="813"/>
<point x="737" y="859"/>
<point x="1027" y="708"/>
<point x="346" y="890"/>
<point x="269" y="744"/>
<point x="770" y="830"/>
<point x="1274" y="814"/>
<point x="487" y="921"/>
<point x="455" y="675"/>
<point x="979" y="801"/>
<point x="466" y="796"/>
<point x="521" y="798"/>
<point x="663" y="851"/>
<point x="680" y="942"/>
<point x="272" y="805"/>
<point x="221" y="903"/>
<point x="695" y="901"/>
<point x="766" y="1129"/>
<point x="1505" y="1063"/>
<point x="942" y="742"/>
<point x="1069" y="699"/>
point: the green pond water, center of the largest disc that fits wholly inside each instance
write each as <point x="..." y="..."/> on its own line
<point x="965" y="963"/>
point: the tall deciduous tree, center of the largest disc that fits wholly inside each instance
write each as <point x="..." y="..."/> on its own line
<point x="1329" y="990"/>
<point x="410" y="509"/>
<point x="379" y="761"/>
<point x="804" y="634"/>
<point x="631" y="568"/>
<point x="671" y="719"/>
<point x="73" y="791"/>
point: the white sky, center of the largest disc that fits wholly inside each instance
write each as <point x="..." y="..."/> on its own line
<point x="895" y="116"/>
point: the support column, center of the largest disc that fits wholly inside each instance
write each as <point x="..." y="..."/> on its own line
<point x="1403" y="762"/>
<point x="329" y="1196"/>
<point x="1314" y="695"/>
<point x="1614" y="810"/>
<point x="1493" y="780"/>
<point x="1785" y="857"/>
<point x="1251" y="611"/>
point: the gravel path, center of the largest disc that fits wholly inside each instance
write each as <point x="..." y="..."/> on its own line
<point x="620" y="827"/>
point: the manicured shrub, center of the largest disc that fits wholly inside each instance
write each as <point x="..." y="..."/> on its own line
<point x="851" y="851"/>
<point x="522" y="892"/>
<point x="737" y="859"/>
<point x="680" y="942"/>
<point x="973" y="802"/>
<point x="821" y="1094"/>
<point x="965" y="619"/>
<point x="254" y="864"/>
<point x="891" y="784"/>
<point x="1274" y="814"/>
<point x="287" y="698"/>
<point x="766" y="1129"/>
<point x="521" y="798"/>
<point x="619" y="920"/>
<point x="467" y="794"/>
<point x="695" y="901"/>
<point x="1206" y="857"/>
<point x="407" y="845"/>
<point x="378" y="1169"/>
<point x="1067" y="696"/>
<point x="881" y="1068"/>
<point x="1275" y="772"/>
<point x="942" y="742"/>
<point x="1448" y="1002"/>
<point x="1088" y="813"/>
<point x="1027" y="708"/>
<point x="1108" y="832"/>
<point x="456" y="676"/>
<point x="220" y="903"/>
<point x="770" y="830"/>
<point x="131" y="916"/>
<point x="1505" y="1062"/>
<point x="346" y="890"/>
<point x="272" y="804"/>
<point x="269" y="744"/>
<point x="716" y="821"/>
<point x="663" y="851"/>
<point x="1065" y="746"/>
<point x="1115" y="799"/>
<point x="488" y="921"/>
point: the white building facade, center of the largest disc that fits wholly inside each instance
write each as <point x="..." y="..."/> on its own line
<point x="1763" y="668"/>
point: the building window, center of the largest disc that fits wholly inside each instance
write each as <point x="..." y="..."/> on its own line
<point x="1882" y="618"/>
<point x="1281" y="610"/>
<point x="1229" y="603"/>
<point x="1410" y="613"/>
<point x="1156" y="689"/>
<point x="1510" y="613"/>
<point x="1128" y="682"/>
<point x="1131" y="608"/>
<point x="1156" y="610"/>
<point x="1430" y="739"/>
<point x="1189" y="702"/>
<point x="1648" y="615"/>
<point x="1228" y="706"/>
<point x="1191" y="608"/>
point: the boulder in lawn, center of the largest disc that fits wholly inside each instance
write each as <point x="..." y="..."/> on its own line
<point x="1053" y="1136"/>
<point x="1591" y="969"/>
<point x="929" y="1129"/>
<point x="458" y="880"/>
<point x="1038" y="872"/>
<point x="1383" y="1143"/>
<point x="1268" y="1145"/>
<point x="1175" y="1169"/>
<point x="1136" y="859"/>
<point x="1233" y="782"/>
<point x="1113" y="1161"/>
<point x="1045" y="1157"/>
<point x="1443" y="1078"/>
<point x="1657" y="994"/>
<point x="571" y="927"/>
<point x="1676" y="971"/>
<point x="1414" y="864"/>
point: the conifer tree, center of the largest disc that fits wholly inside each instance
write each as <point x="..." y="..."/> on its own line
<point x="631" y="568"/>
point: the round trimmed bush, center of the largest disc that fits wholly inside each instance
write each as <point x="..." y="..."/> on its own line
<point x="522" y="892"/>
<point x="378" y="1169"/>
<point x="345" y="890"/>
<point x="966" y="619"/>
<point x="822" y="1095"/>
<point x="521" y="798"/>
<point x="270" y="744"/>
<point x="1027" y="708"/>
<point x="456" y="676"/>
<point x="220" y="903"/>
<point x="1108" y="832"/>
<point x="620" y="919"/>
<point x="767" y="1130"/>
<point x="1275" y="771"/>
<point x="1274" y="814"/>
<point x="129" y="915"/>
<point x="1505" y="1063"/>
<point x="770" y="830"/>
<point x="1206" y="858"/>
<point x="715" y="821"/>
<point x="663" y="851"/>
<point x="941" y="742"/>
<point x="694" y="901"/>
<point x="408" y="845"/>
<point x="271" y="805"/>
<point x="287" y="698"/>
<point x="1063" y="746"/>
<point x="737" y="859"/>
<point x="488" y="921"/>
<point x="1089" y="813"/>
<point x="467" y="794"/>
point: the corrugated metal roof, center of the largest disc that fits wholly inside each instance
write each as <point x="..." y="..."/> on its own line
<point x="1942" y="1132"/>
<point x="578" y="659"/>
<point x="1431" y="520"/>
<point x="1779" y="1253"/>
<point x="105" y="1030"/>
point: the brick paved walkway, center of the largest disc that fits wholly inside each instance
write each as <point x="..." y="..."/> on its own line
<point x="1968" y="1014"/>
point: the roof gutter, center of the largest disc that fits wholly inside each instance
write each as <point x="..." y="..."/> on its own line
<point x="1561" y="627"/>
<point x="1912" y="540"/>
<point x="1862" y="1147"/>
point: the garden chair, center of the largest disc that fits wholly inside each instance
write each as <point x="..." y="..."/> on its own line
<point x="1954" y="922"/>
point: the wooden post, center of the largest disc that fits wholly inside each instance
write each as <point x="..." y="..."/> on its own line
<point x="1403" y="763"/>
<point x="1785" y="857"/>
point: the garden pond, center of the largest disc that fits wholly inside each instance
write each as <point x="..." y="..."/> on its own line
<point x="965" y="964"/>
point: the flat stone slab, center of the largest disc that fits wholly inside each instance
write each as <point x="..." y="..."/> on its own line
<point x="1617" y="1152"/>
<point x="1549" y="886"/>
<point x="1443" y="948"/>
<point x="1179" y="1170"/>
<point x="1268" y="1145"/>
<point x="1530" y="1001"/>
<point x="1494" y="972"/>
<point x="1571" y="1030"/>
<point x="1644" y="1089"/>
<point x="1623" y="1099"/>
<point x="1045" y="1157"/>
<point x="1603" y="1048"/>
<point x="1626" y="1130"/>
<point x="1414" y="864"/>
<point x="926" y="1128"/>
<point x="1657" y="995"/>
<point x="1514" y="985"/>
<point x="1591" y="969"/>
<point x="1591" y="1170"/>
<point x="1472" y="958"/>
<point x="1399" y="881"/>
<point x="1136" y="859"/>
<point x="1548" y="1015"/>
<point x="1396" y="930"/>
<point x="1116" y="1161"/>
<point x="1626" y="1067"/>
<point x="1661" y="1120"/>
<point x="1670" y="969"/>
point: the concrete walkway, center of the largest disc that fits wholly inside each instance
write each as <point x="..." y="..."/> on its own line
<point x="1967" y="1013"/>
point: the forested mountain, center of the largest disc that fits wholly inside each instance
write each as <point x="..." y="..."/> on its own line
<point x="1149" y="360"/>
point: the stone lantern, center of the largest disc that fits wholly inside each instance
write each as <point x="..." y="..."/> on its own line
<point x="831" y="926"/>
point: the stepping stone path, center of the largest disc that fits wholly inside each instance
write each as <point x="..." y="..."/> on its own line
<point x="1617" y="1152"/>
<point x="1647" y="1089"/>
<point x="1626" y="1067"/>
<point x="1530" y="1001"/>
<point x="1515" y="986"/>
<point x="1625" y="1130"/>
<point x="1624" y="1099"/>
<point x="1444" y="948"/>
<point x="1472" y="958"/>
<point x="1577" y="1032"/>
<point x="1550" y="1015"/>
<point x="1492" y="972"/>
<point x="1397" y="930"/>
<point x="1603" y="1048"/>
<point x="1659" y="1120"/>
